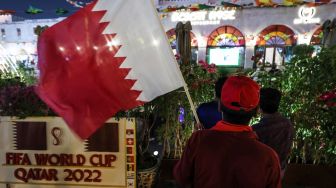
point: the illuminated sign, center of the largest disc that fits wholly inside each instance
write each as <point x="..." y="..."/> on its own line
<point x="306" y="16"/>
<point x="43" y="152"/>
<point x="203" y="17"/>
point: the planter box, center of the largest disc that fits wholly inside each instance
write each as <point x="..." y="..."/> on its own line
<point x="312" y="176"/>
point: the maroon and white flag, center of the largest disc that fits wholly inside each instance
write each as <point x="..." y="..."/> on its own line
<point x="107" y="57"/>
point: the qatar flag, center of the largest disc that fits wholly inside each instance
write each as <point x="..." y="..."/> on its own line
<point x="111" y="55"/>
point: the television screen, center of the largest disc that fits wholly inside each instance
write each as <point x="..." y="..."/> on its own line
<point x="225" y="56"/>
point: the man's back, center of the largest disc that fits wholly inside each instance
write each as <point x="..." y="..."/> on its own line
<point x="227" y="159"/>
<point x="229" y="155"/>
<point x="277" y="132"/>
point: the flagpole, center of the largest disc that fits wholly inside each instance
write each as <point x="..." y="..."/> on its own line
<point x="185" y="86"/>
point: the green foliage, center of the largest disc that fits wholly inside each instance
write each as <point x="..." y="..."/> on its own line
<point x="303" y="82"/>
<point x="174" y="133"/>
<point x="23" y="73"/>
<point x="27" y="73"/>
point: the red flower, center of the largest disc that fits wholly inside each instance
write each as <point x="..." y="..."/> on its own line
<point x="212" y="70"/>
<point x="328" y="95"/>
<point x="209" y="68"/>
<point x="194" y="85"/>
<point x="328" y="98"/>
<point x="177" y="57"/>
<point x="203" y="64"/>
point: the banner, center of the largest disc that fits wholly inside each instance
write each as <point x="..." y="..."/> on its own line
<point x="119" y="60"/>
<point x="43" y="152"/>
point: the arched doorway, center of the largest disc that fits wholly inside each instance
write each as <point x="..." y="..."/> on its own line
<point x="194" y="45"/>
<point x="226" y="47"/>
<point x="274" y="46"/>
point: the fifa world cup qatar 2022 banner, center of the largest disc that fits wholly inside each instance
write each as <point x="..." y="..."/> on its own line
<point x="43" y="152"/>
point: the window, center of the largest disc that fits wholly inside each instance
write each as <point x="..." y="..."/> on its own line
<point x="3" y="33"/>
<point x="226" y="56"/>
<point x="275" y="46"/>
<point x="226" y="47"/>
<point x="18" y="32"/>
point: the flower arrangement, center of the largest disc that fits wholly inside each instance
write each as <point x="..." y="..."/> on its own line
<point x="210" y="68"/>
<point x="17" y="94"/>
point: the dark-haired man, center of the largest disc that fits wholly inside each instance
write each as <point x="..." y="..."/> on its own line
<point x="274" y="129"/>
<point x="209" y="113"/>
<point x="229" y="154"/>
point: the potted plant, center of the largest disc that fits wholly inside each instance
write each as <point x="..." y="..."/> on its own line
<point x="146" y="118"/>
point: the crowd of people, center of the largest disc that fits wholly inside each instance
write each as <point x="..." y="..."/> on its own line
<point x="227" y="151"/>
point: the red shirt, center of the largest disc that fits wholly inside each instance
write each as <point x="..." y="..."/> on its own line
<point x="227" y="156"/>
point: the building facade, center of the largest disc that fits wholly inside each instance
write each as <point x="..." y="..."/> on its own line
<point x="232" y="37"/>
<point x="237" y="37"/>
<point x="18" y="40"/>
